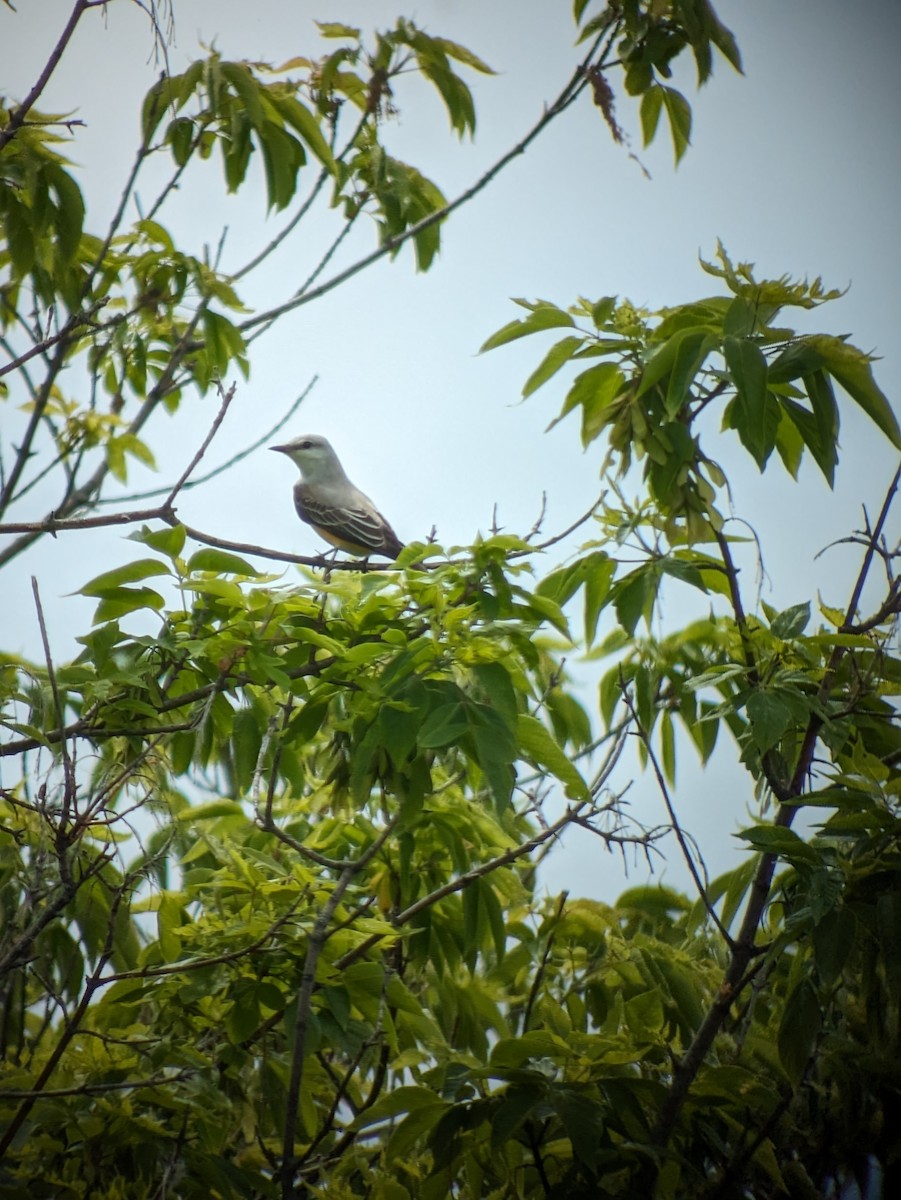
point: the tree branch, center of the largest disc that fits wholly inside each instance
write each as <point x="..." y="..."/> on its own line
<point x="227" y="398"/>
<point x="736" y="975"/>
<point x="230" y="462"/>
<point x="577" y="83"/>
<point x="700" y="884"/>
<point x="17" y="117"/>
<point x="315" y="943"/>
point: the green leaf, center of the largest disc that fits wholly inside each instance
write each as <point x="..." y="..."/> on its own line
<point x="168" y="541"/>
<point x="668" y="747"/>
<point x="679" y="112"/>
<point x="799" y="1030"/>
<point x="244" y="1016"/>
<point x="595" y="573"/>
<point x="399" y="727"/>
<point x="691" y="352"/>
<point x="851" y="368"/>
<point x="789" y="442"/>
<point x="682" y="353"/>
<point x="109" y="581"/>
<point x="769" y="716"/>
<point x="559" y="354"/>
<point x="494" y="680"/>
<point x="800" y="358"/>
<point x="791" y="622"/>
<point x="599" y="570"/>
<point x="544" y="316"/>
<point x="822" y="445"/>
<point x="335" y="29"/>
<point x="307" y="125"/>
<point x="723" y="39"/>
<point x="644" y="1015"/>
<point x="777" y="839"/>
<point x="246" y="740"/>
<point x="833" y="940"/>
<point x="413" y="1129"/>
<point x="539" y="745"/>
<point x="492" y="746"/>
<point x="754" y="416"/>
<point x="651" y="104"/>
<point x="443" y="726"/>
<point x="283" y="156"/>
<point x="247" y="89"/>
<point x="221" y="562"/>
<point x="69" y="218"/>
<point x="116" y="602"/>
<point x="593" y="391"/>
<point x="180" y="136"/>
<point x="633" y="596"/>
<point x="583" y="1120"/>
<point x="460" y="54"/>
<point x="20" y="240"/>
<point x="514" y="1105"/>
<point x="155" y="104"/>
<point x="210" y="811"/>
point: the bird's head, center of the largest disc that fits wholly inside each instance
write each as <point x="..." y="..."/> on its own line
<point x="313" y="456"/>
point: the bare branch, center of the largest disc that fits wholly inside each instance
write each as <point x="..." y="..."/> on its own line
<point x="542" y="966"/>
<point x="96" y="1089"/>
<point x="576" y="84"/>
<point x="92" y="729"/>
<point x="688" y="856"/>
<point x="230" y="462"/>
<point x="17" y="117"/>
<point x="558" y="537"/>
<point x="227" y="398"/>
<point x="70" y="332"/>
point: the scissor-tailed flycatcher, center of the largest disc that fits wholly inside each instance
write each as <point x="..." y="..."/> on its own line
<point x="326" y="499"/>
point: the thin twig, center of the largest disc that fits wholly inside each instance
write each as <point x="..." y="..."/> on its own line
<point x="70" y="332"/>
<point x="227" y="398"/>
<point x="571" y="91"/>
<point x="700" y="884"/>
<point x="542" y="966"/>
<point x="199" y="964"/>
<point x="462" y="881"/>
<point x="96" y="1089"/>
<point x="229" y="462"/>
<point x="17" y="117"/>
<point x="558" y="537"/>
<point x="91" y="728"/>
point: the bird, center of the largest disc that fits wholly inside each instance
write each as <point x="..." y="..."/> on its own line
<point x="326" y="499"/>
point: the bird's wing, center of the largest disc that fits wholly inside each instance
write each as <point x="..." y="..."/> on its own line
<point x="354" y="524"/>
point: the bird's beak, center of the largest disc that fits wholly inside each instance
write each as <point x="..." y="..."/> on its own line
<point x="281" y="449"/>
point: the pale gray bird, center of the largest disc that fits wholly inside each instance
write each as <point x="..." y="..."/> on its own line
<point x="326" y="499"/>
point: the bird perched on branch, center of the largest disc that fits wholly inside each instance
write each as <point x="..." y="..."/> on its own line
<point x="326" y="499"/>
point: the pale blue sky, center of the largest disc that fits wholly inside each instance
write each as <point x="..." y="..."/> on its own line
<point x="795" y="166"/>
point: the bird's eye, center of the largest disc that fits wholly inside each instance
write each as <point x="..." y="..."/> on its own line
<point x="306" y="445"/>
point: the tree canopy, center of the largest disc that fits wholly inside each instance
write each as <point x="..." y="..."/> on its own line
<point x="270" y="844"/>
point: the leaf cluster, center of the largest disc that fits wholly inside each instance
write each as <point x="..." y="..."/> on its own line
<point x="654" y="379"/>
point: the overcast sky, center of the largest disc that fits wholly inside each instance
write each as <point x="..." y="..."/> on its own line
<point x="794" y="166"/>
